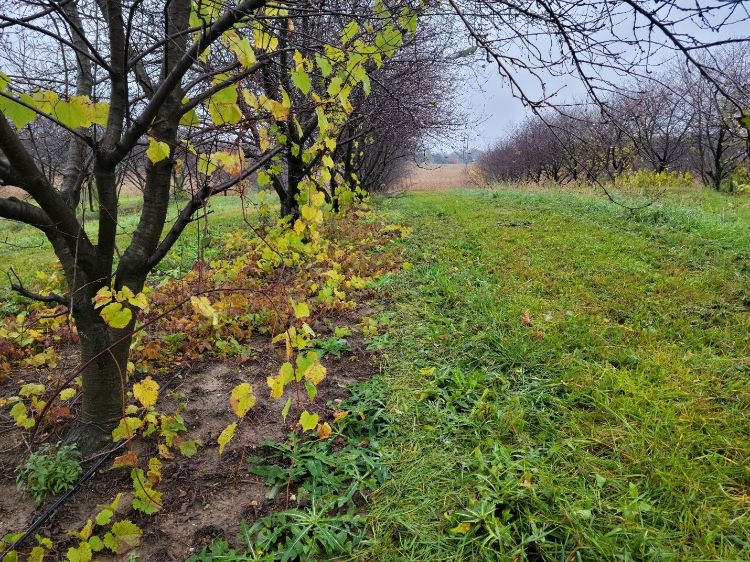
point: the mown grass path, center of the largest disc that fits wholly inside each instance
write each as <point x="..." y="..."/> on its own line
<point x="567" y="383"/>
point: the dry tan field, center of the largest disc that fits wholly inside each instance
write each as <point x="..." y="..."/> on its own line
<point x="432" y="177"/>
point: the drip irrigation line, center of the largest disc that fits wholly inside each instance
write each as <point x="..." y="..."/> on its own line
<point x="59" y="501"/>
<point x="86" y="475"/>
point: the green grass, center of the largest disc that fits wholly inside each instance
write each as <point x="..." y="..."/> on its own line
<point x="612" y="426"/>
<point x="25" y="250"/>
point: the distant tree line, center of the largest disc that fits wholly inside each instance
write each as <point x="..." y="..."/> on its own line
<point x="677" y="122"/>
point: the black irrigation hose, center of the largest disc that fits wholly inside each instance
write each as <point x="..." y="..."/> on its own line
<point x="59" y="501"/>
<point x="88" y="474"/>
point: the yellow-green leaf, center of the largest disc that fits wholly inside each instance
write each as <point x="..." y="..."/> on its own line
<point x="349" y="32"/>
<point x="19" y="114"/>
<point x="126" y="428"/>
<point x="301" y="310"/>
<point x="242" y="399"/>
<point x="226" y="436"/>
<point x="81" y="553"/>
<point x="67" y="393"/>
<point x="116" y="315"/>
<point x="302" y="80"/>
<point x="104" y="517"/>
<point x="189" y="448"/>
<point x="308" y="421"/>
<point x="31" y="389"/>
<point x="157" y="150"/>
<point x="125" y="536"/>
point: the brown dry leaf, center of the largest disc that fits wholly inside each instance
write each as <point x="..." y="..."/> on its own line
<point x="128" y="459"/>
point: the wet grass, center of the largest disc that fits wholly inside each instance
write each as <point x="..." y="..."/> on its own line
<point x="568" y="382"/>
<point x="25" y="250"/>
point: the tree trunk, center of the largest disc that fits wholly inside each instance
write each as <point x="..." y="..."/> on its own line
<point x="103" y="382"/>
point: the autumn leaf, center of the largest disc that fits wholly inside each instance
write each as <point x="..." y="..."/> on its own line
<point x="126" y="428"/>
<point x="226" y="436"/>
<point x="125" y="536"/>
<point x="157" y="150"/>
<point x="339" y="415"/>
<point x="115" y="315"/>
<point x="242" y="399"/>
<point x="301" y="310"/>
<point x="324" y="430"/>
<point x="129" y="459"/>
<point x="146" y="392"/>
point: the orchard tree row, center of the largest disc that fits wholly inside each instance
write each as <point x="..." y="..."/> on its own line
<point x="674" y="123"/>
<point x="316" y="102"/>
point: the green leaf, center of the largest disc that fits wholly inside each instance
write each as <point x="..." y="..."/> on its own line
<point x="324" y="65"/>
<point x="96" y="543"/>
<point x="157" y="150"/>
<point x="308" y="421"/>
<point x="349" y="32"/>
<point x="189" y="448"/>
<point x="104" y="517"/>
<point x="146" y="500"/>
<point x="302" y="80"/>
<point x="285" y="410"/>
<point x="82" y="553"/>
<point x="115" y="315"/>
<point x="312" y="390"/>
<point x="19" y="114"/>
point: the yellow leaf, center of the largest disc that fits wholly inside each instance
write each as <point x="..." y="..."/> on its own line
<point x="67" y="393"/>
<point x="146" y="392"/>
<point x="242" y="399"/>
<point x="301" y="310"/>
<point x="226" y="436"/>
<point x="316" y="372"/>
<point x="241" y="48"/>
<point x="339" y="415"/>
<point x="157" y="150"/>
<point x="461" y="528"/>
<point x="31" y="389"/>
<point x="276" y="384"/>
<point x="203" y="306"/>
<point x="100" y="113"/>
